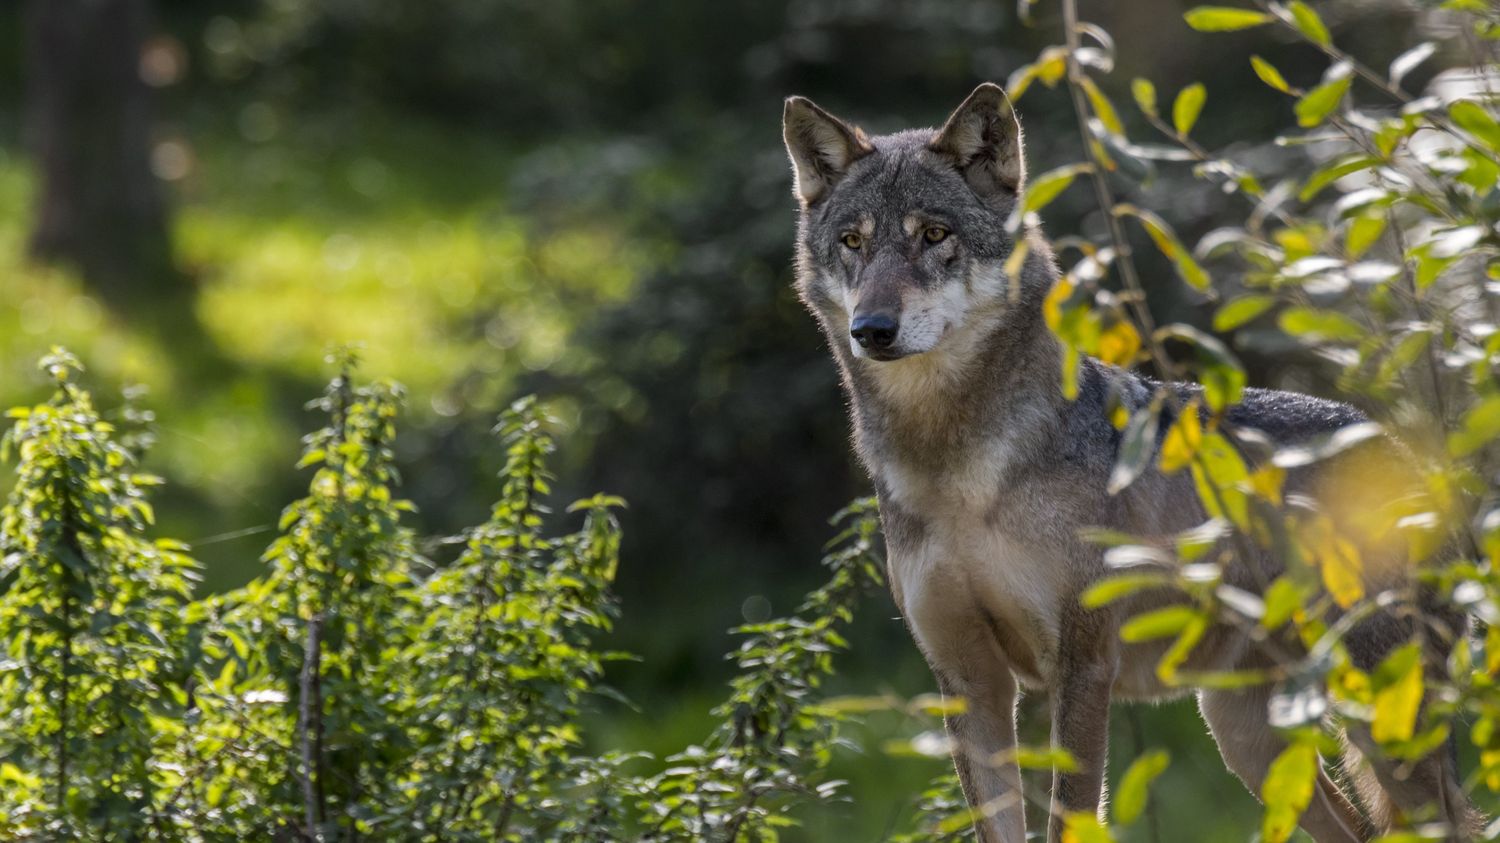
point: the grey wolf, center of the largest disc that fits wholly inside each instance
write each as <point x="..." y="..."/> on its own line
<point x="986" y="475"/>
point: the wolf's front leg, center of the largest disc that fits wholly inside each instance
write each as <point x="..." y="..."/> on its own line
<point x="983" y="735"/>
<point x="1080" y="725"/>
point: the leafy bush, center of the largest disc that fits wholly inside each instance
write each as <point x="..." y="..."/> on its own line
<point x="1376" y="255"/>
<point x="360" y="689"/>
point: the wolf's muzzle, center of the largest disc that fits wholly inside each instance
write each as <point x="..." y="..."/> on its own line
<point x="876" y="331"/>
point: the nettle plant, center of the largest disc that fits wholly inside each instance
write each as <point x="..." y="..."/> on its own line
<point x="1372" y="251"/>
<point x="360" y="689"/>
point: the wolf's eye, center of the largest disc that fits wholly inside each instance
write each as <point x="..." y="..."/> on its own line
<point x="852" y="240"/>
<point x="935" y="234"/>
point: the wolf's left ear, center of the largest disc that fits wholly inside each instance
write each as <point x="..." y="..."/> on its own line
<point x="821" y="147"/>
<point x="983" y="140"/>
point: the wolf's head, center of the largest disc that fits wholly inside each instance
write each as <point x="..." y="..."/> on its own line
<point x="903" y="236"/>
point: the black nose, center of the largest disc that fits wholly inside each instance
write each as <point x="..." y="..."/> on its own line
<point x="874" y="331"/>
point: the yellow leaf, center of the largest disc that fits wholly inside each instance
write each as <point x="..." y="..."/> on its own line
<point x="1269" y="74"/>
<point x="1187" y="107"/>
<point x="1103" y="108"/>
<point x="1287" y="790"/>
<point x="1145" y="95"/>
<point x="1350" y="683"/>
<point x="1219" y="475"/>
<point x="1131" y="796"/>
<point x="1341" y="566"/>
<point x="1266" y="483"/>
<point x="1224" y="18"/>
<point x="1490" y="761"/>
<point x="1309" y="24"/>
<point x="1183" y="440"/>
<point x="1051" y="65"/>
<point x="1082" y="827"/>
<point x="1056" y="297"/>
<point x="1363" y="232"/>
<point x="1397" y="704"/>
<point x="1119" y="344"/>
<point x="1044" y="188"/>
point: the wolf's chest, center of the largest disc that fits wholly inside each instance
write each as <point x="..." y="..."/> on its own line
<point x="968" y="584"/>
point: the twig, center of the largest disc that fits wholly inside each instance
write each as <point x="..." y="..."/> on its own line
<point x="310" y="726"/>
<point x="1123" y="259"/>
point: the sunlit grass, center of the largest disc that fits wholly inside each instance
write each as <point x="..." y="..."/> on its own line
<point x="402" y="242"/>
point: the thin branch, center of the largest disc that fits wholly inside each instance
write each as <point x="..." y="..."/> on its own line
<point x="310" y="727"/>
<point x="1123" y="259"/>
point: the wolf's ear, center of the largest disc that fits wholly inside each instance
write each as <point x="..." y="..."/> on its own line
<point x="983" y="140"/>
<point x="821" y="146"/>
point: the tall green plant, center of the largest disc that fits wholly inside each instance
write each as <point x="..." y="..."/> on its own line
<point x="502" y="655"/>
<point x="90" y="619"/>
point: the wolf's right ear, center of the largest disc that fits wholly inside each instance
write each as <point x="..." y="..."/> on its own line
<point x="821" y="147"/>
<point x="983" y="140"/>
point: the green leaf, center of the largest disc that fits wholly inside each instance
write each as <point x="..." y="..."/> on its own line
<point x="1238" y="311"/>
<point x="1187" y="107"/>
<point x="1135" y="448"/>
<point x="1481" y="424"/>
<point x="1084" y="827"/>
<point x="1269" y="74"/>
<point x="1308" y="23"/>
<point x="1167" y="243"/>
<point x="1315" y="106"/>
<point x="1103" y="108"/>
<point x="1182" y="647"/>
<point x="1044" y="188"/>
<point x="1317" y="325"/>
<point x="1183" y="439"/>
<point x="1222" y="376"/>
<point x="1159" y="623"/>
<point x="1337" y="169"/>
<point x="1398" y="696"/>
<point x="1284" y="597"/>
<point x="1474" y="119"/>
<point x="1145" y="95"/>
<point x="1135" y="786"/>
<point x="1219" y="475"/>
<point x="1044" y="758"/>
<point x="1224" y="18"/>
<point x="1119" y="587"/>
<point x="1287" y="791"/>
<point x="1364" y="231"/>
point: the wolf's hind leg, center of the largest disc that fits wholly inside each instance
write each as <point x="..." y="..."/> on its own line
<point x="1428" y="789"/>
<point x="1248" y="744"/>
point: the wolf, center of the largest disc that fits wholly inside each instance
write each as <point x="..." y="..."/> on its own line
<point x="987" y="475"/>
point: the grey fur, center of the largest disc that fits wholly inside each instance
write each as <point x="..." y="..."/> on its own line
<point x="986" y="474"/>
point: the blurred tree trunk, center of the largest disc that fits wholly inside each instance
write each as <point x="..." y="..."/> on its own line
<point x="99" y="206"/>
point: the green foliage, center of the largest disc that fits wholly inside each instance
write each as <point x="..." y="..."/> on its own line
<point x="95" y="659"/>
<point x="1378" y="255"/>
<point x="360" y="689"/>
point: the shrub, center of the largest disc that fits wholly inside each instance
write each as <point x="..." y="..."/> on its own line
<point x="359" y="689"/>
